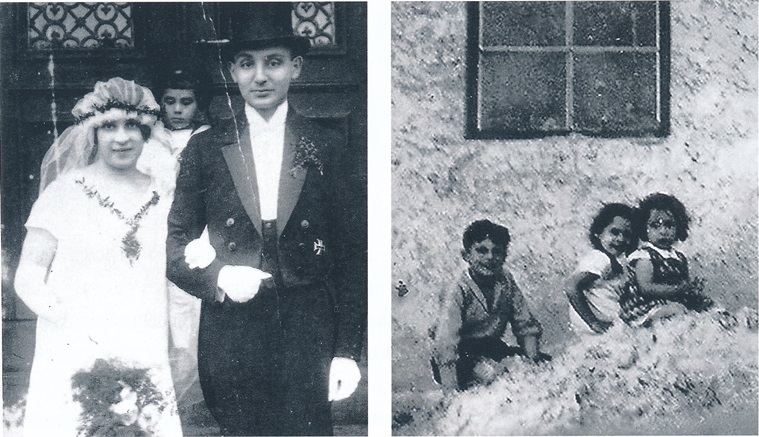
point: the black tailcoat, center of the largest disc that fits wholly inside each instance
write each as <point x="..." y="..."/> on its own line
<point x="264" y="364"/>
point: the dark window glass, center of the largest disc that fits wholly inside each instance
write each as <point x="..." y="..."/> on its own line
<point x="534" y="95"/>
<point x="546" y="68"/>
<point x="523" y="23"/>
<point x="615" y="92"/>
<point x="631" y="24"/>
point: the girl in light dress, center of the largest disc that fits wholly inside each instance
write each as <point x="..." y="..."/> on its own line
<point x="184" y="104"/>
<point x="92" y="265"/>
<point x="602" y="275"/>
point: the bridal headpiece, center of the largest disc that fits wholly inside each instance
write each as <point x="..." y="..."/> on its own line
<point x="113" y="99"/>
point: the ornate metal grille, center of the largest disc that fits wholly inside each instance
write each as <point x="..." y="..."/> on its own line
<point x="80" y="26"/>
<point x="315" y="20"/>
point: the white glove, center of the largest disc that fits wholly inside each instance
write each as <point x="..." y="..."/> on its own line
<point x="37" y="295"/>
<point x="198" y="254"/>
<point x="343" y="378"/>
<point x="240" y="283"/>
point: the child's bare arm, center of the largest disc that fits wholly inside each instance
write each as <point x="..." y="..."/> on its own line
<point x="644" y="272"/>
<point x="530" y="346"/>
<point x="575" y="291"/>
<point x="445" y="337"/>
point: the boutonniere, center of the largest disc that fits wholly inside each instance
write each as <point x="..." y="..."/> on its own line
<point x="306" y="155"/>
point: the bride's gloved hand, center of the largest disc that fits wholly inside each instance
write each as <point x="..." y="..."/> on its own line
<point x="37" y="295"/>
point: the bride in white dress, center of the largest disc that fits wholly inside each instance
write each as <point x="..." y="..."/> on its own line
<point x="93" y="262"/>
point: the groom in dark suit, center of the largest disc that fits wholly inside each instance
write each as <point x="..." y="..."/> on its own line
<point x="281" y="327"/>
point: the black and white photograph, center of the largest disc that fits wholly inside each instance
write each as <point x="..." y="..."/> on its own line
<point x="184" y="218"/>
<point x="551" y="208"/>
<point x="574" y="218"/>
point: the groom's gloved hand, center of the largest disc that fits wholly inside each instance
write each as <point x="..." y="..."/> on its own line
<point x="241" y="283"/>
<point x="343" y="378"/>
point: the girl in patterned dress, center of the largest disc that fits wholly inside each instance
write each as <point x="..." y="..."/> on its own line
<point x="664" y="284"/>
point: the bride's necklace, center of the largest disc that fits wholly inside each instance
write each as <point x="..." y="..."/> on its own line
<point x="129" y="244"/>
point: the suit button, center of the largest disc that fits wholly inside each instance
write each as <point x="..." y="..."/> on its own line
<point x="230" y="222"/>
<point x="302" y="246"/>
<point x="304" y="224"/>
<point x="232" y="246"/>
<point x="268" y="225"/>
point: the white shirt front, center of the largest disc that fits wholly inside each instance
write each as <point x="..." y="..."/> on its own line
<point x="180" y="138"/>
<point x="267" y="139"/>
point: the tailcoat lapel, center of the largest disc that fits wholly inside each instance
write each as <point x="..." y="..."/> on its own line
<point x="239" y="157"/>
<point x="290" y="182"/>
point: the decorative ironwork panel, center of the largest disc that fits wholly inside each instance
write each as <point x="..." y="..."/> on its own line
<point x="315" y="20"/>
<point x="80" y="26"/>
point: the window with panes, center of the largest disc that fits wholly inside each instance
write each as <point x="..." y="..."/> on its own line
<point x="551" y="68"/>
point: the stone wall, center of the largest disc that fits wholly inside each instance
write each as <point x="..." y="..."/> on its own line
<point x="547" y="190"/>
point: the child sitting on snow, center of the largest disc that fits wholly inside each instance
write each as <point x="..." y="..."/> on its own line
<point x="473" y="315"/>
<point x="602" y="275"/>
<point x="664" y="284"/>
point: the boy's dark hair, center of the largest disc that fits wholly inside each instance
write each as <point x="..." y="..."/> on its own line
<point x="662" y="202"/>
<point x="483" y="229"/>
<point x="187" y="79"/>
<point x="604" y="217"/>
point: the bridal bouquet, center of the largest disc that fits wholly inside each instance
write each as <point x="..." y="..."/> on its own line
<point x="117" y="400"/>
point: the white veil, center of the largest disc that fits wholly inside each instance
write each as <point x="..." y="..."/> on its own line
<point x="113" y="99"/>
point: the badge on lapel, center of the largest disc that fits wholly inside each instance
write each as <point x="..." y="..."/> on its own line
<point x="319" y="247"/>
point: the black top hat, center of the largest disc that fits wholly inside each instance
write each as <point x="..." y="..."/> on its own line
<point x="256" y="25"/>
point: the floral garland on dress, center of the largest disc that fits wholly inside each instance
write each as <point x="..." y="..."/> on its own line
<point x="129" y="244"/>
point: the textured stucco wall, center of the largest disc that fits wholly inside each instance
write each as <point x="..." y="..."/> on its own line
<point x="547" y="190"/>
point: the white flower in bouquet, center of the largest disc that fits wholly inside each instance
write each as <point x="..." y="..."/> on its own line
<point x="148" y="417"/>
<point x="127" y="408"/>
<point x="117" y="399"/>
<point x="13" y="419"/>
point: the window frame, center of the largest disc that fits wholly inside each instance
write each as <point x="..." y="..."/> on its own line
<point x="473" y="130"/>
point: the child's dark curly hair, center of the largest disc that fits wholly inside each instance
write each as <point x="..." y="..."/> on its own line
<point x="482" y="229"/>
<point x="187" y="79"/>
<point x="662" y="202"/>
<point x="604" y="217"/>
